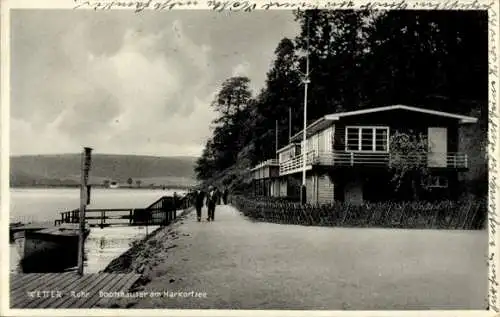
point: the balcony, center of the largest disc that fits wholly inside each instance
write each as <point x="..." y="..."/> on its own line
<point x="270" y="162"/>
<point x="371" y="159"/>
<point x="266" y="169"/>
<point x="295" y="164"/>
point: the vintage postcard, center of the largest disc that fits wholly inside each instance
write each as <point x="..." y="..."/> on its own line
<point x="188" y="158"/>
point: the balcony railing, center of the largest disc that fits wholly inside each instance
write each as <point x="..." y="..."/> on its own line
<point x="296" y="163"/>
<point x="438" y="160"/>
<point x="270" y="162"/>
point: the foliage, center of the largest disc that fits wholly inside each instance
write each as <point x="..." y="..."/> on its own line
<point x="280" y="98"/>
<point x="230" y="129"/>
<point x="468" y="215"/>
<point x="129" y="181"/>
<point x="408" y="160"/>
<point x="205" y="165"/>
<point x="337" y="46"/>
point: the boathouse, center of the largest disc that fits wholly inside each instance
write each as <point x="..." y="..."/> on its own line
<point x="348" y="157"/>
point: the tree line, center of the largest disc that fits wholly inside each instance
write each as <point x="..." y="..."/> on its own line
<point x="359" y="59"/>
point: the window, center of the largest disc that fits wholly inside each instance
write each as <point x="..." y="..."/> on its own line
<point x="381" y="140"/>
<point x="352" y="139"/>
<point x="367" y="139"/>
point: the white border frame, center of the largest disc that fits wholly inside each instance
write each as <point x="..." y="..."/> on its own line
<point x="493" y="149"/>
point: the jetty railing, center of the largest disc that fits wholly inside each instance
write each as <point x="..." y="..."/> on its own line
<point x="161" y="212"/>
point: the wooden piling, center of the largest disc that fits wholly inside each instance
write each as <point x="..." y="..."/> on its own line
<point x="83" y="204"/>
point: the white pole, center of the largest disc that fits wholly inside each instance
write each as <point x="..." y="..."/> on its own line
<point x="276" y="145"/>
<point x="304" y="150"/>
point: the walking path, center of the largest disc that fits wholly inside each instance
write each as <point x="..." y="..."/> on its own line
<point x="241" y="264"/>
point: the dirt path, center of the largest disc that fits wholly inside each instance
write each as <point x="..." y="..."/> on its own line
<point x="241" y="264"/>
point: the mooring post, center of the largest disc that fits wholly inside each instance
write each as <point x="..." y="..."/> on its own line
<point x="83" y="204"/>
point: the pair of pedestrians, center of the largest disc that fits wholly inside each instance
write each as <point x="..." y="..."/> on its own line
<point x="211" y="198"/>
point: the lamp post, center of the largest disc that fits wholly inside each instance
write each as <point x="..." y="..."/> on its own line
<point x="306" y="82"/>
<point x="276" y="141"/>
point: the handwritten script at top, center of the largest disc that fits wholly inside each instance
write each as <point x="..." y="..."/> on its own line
<point x="136" y="5"/>
<point x="492" y="160"/>
<point x="247" y="6"/>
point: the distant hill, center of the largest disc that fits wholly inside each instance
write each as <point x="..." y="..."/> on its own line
<point x="64" y="169"/>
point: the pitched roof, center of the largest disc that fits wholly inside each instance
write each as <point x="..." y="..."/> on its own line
<point x="325" y="120"/>
<point x="462" y="118"/>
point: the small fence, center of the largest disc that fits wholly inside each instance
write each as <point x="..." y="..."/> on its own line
<point x="161" y="212"/>
<point x="468" y="215"/>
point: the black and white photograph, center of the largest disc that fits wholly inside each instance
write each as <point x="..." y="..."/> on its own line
<point x="298" y="159"/>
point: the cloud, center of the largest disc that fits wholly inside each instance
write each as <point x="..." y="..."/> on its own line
<point x="127" y="83"/>
<point x="242" y="69"/>
<point x="130" y="93"/>
<point x="39" y="140"/>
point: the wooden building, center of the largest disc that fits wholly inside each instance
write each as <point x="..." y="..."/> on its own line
<point x="348" y="155"/>
<point x="266" y="178"/>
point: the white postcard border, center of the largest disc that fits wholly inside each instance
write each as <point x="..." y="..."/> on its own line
<point x="244" y="5"/>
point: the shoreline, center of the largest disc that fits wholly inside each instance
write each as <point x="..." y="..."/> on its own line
<point x="147" y="253"/>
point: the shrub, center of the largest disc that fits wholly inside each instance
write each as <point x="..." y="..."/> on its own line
<point x="469" y="214"/>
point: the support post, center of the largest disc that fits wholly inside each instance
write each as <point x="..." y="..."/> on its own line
<point x="83" y="203"/>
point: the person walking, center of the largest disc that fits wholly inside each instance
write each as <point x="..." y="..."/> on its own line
<point x="218" y="194"/>
<point x="224" y="195"/>
<point x="199" y="196"/>
<point x="211" y="202"/>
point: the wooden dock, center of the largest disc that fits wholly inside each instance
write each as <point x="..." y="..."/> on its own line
<point x="66" y="290"/>
<point x="19" y="230"/>
<point x="161" y="212"/>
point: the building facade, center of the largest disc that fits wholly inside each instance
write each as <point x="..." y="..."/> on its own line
<point x="266" y="178"/>
<point x="348" y="154"/>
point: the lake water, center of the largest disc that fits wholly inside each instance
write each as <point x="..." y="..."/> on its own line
<point x="102" y="245"/>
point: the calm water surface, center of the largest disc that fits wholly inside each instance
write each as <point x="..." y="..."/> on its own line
<point x="102" y="245"/>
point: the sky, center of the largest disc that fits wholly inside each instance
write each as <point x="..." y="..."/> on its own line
<point x="126" y="83"/>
